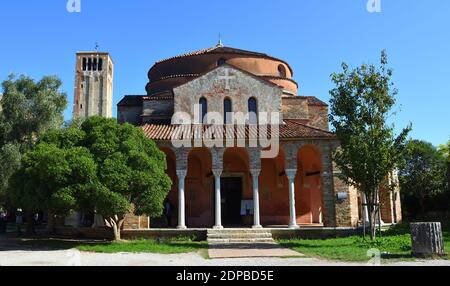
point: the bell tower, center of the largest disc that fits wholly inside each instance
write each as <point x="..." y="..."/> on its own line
<point x="93" y="85"/>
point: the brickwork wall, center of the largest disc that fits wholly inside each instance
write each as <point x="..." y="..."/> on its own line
<point x="318" y="116"/>
<point x="295" y="108"/>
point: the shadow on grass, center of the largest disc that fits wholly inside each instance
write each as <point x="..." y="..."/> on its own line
<point x="58" y="244"/>
<point x="134" y="246"/>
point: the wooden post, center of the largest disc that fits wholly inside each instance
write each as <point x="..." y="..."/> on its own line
<point x="427" y="240"/>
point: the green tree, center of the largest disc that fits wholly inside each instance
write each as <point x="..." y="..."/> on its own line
<point x="422" y="177"/>
<point x="104" y="166"/>
<point x="27" y="110"/>
<point x="445" y="151"/>
<point x="361" y="103"/>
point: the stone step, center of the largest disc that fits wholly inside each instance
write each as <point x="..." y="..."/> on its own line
<point x="224" y="231"/>
<point x="240" y="240"/>
<point x="229" y="236"/>
<point x="239" y="235"/>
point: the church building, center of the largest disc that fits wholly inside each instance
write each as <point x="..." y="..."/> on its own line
<point x="194" y="98"/>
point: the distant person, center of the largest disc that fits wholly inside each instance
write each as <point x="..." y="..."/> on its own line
<point x="3" y="221"/>
<point x="19" y="221"/>
<point x="168" y="211"/>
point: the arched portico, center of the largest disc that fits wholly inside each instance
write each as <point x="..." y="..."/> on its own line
<point x="199" y="189"/>
<point x="309" y="194"/>
<point x="234" y="187"/>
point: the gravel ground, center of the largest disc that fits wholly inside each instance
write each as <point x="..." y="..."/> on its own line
<point x="77" y="258"/>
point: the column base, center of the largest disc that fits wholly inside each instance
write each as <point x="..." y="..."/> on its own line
<point x="257" y="227"/>
<point x="181" y="227"/>
<point x="294" y="226"/>
<point x="217" y="227"/>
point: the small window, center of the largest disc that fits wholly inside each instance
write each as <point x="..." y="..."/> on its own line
<point x="100" y="64"/>
<point x="221" y="62"/>
<point x="95" y="65"/>
<point x="281" y="71"/>
<point x="253" y="111"/>
<point x="84" y="64"/>
<point x="203" y="105"/>
<point x="89" y="64"/>
<point x="227" y="109"/>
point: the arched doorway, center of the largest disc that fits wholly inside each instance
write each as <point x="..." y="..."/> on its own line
<point x="309" y="195"/>
<point x="199" y="189"/>
<point x="236" y="192"/>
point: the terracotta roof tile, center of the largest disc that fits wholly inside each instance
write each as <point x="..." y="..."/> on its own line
<point x="222" y="49"/>
<point x="312" y="100"/>
<point x="290" y="130"/>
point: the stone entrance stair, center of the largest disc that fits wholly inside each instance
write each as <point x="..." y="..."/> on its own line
<point x="225" y="236"/>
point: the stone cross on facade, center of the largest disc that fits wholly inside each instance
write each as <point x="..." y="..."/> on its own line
<point x="227" y="77"/>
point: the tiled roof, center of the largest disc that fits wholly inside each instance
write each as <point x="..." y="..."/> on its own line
<point x="215" y="49"/>
<point x="290" y="130"/>
<point x="151" y="98"/>
<point x="131" y="100"/>
<point x="221" y="49"/>
<point x="312" y="100"/>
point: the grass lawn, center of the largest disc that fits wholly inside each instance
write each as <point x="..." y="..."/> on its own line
<point x="135" y="246"/>
<point x="394" y="245"/>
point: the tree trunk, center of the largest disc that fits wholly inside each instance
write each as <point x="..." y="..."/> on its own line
<point x="371" y="202"/>
<point x="427" y="240"/>
<point x="115" y="223"/>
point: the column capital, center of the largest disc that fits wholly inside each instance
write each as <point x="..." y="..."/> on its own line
<point x="255" y="172"/>
<point x="291" y="173"/>
<point x="181" y="174"/>
<point x="217" y="172"/>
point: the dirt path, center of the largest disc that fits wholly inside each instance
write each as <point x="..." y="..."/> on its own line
<point x="77" y="258"/>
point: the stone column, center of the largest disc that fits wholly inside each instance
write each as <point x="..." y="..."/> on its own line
<point x="218" y="199"/>
<point x="181" y="199"/>
<point x="256" y="219"/>
<point x="291" y="173"/>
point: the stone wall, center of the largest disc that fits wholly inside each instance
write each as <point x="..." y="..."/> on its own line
<point x="129" y="114"/>
<point x="157" y="111"/>
<point x="242" y="86"/>
<point x="346" y="209"/>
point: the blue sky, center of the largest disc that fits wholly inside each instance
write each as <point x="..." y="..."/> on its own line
<point x="40" y="37"/>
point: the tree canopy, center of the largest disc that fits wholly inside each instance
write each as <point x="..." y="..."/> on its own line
<point x="361" y="104"/>
<point x="423" y="179"/>
<point x="102" y="166"/>
<point x="27" y="110"/>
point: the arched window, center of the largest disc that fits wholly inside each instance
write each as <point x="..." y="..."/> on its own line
<point x="281" y="71"/>
<point x="203" y="106"/>
<point x="227" y="109"/>
<point x="253" y="111"/>
<point x="84" y="64"/>
<point x="221" y="61"/>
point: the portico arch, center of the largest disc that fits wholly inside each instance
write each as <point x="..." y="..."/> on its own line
<point x="199" y="189"/>
<point x="309" y="193"/>
<point x="236" y="187"/>
<point x="274" y="191"/>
